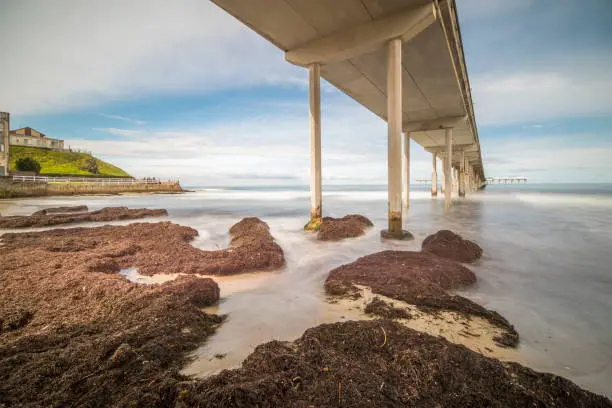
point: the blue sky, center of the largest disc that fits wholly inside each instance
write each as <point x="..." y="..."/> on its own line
<point x="181" y="89"/>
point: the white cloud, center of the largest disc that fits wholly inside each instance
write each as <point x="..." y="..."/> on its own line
<point x="74" y="53"/>
<point x="123" y="118"/>
<point x="261" y="149"/>
<point x="520" y="97"/>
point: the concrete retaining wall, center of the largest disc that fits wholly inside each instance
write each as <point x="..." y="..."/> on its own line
<point x="15" y="189"/>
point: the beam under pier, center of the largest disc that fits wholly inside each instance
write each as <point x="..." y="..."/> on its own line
<point x="448" y="168"/>
<point x="394" y="142"/>
<point x="314" y="94"/>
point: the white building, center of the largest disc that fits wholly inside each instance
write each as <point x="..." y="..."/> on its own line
<point x="30" y="137"/>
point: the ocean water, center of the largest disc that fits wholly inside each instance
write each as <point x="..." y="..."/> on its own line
<point x="547" y="264"/>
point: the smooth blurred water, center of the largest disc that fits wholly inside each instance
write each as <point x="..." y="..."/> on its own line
<point x="547" y="265"/>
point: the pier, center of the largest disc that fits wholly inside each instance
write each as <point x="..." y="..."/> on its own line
<point x="402" y="60"/>
<point x="505" y="180"/>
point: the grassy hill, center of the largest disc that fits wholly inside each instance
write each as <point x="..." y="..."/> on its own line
<point x="54" y="163"/>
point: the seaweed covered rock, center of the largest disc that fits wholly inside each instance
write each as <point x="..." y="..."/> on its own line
<point x="201" y="292"/>
<point x="378" y="307"/>
<point x="349" y="226"/>
<point x="380" y="363"/>
<point x="45" y="219"/>
<point x="74" y="333"/>
<point x="152" y="248"/>
<point x="56" y="210"/>
<point x="449" y="245"/>
<point x="418" y="278"/>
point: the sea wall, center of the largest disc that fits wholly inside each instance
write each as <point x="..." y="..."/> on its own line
<point x="15" y="189"/>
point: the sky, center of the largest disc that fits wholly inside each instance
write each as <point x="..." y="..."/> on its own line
<point x="180" y="89"/>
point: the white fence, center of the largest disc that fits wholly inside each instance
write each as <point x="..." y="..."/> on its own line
<point x="40" y="179"/>
<point x="71" y="150"/>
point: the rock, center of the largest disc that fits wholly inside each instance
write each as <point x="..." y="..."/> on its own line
<point x="103" y="215"/>
<point x="56" y="210"/>
<point x="381" y="363"/>
<point x="201" y="292"/>
<point x="398" y="235"/>
<point x="249" y="231"/>
<point x="449" y="245"/>
<point x="154" y="248"/>
<point x="349" y="226"/>
<point x="419" y="278"/>
<point x="96" y="339"/>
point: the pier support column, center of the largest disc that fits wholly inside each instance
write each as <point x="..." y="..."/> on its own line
<point x="314" y="94"/>
<point x="434" y="175"/>
<point x="394" y="142"/>
<point x="468" y="175"/>
<point x="448" y="169"/>
<point x="462" y="175"/>
<point x="406" y="171"/>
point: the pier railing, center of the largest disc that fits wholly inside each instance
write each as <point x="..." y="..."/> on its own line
<point x="506" y="180"/>
<point x="97" y="180"/>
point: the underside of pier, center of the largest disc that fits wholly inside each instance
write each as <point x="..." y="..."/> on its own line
<point x="401" y="59"/>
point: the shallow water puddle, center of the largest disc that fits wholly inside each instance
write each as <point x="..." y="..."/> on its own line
<point x="132" y="275"/>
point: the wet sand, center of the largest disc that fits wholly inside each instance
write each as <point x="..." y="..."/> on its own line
<point x="475" y="333"/>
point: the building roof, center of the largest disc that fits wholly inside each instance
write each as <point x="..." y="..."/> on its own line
<point x="27" y="132"/>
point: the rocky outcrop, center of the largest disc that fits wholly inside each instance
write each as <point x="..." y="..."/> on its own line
<point x="104" y="215"/>
<point x="74" y="332"/>
<point x="153" y="248"/>
<point x="200" y="292"/>
<point x="57" y="210"/>
<point x="380" y="363"/>
<point x="349" y="226"/>
<point x="418" y="278"/>
<point x="449" y="245"/>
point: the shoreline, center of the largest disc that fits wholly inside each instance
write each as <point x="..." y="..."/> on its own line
<point x="15" y="189"/>
<point x="475" y="333"/>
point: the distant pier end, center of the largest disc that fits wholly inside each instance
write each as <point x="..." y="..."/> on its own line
<point x="506" y="180"/>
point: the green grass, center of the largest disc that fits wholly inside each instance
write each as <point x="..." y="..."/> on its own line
<point x="63" y="164"/>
